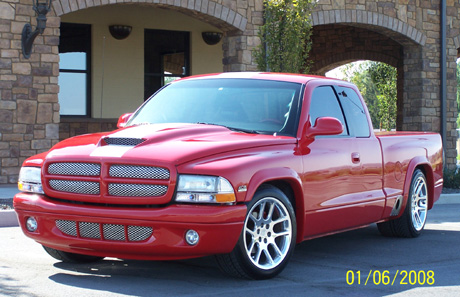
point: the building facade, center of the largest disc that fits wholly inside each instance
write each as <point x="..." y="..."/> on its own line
<point x="80" y="78"/>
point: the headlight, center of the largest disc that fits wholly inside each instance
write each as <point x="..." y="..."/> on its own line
<point x="30" y="180"/>
<point x="204" y="189"/>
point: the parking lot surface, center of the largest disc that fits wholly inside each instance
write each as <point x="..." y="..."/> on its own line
<point x="355" y="263"/>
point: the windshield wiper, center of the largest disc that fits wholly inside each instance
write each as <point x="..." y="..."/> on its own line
<point x="232" y="128"/>
<point x="242" y="130"/>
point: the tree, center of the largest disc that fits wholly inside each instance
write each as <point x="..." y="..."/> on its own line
<point x="358" y="74"/>
<point x="285" y="36"/>
<point x="384" y="77"/>
<point x="377" y="83"/>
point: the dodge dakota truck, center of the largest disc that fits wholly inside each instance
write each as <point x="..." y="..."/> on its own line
<point x="238" y="165"/>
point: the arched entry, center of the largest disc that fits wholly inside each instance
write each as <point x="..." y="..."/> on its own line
<point x="392" y="33"/>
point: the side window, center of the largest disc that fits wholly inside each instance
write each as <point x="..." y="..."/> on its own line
<point x="355" y="112"/>
<point x="324" y="103"/>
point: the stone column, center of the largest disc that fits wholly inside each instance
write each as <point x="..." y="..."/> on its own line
<point x="239" y="46"/>
<point x="29" y="108"/>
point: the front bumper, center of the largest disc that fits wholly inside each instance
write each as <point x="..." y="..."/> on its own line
<point x="219" y="228"/>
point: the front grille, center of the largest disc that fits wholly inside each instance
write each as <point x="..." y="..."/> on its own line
<point x="107" y="183"/>
<point x="114" y="232"/>
<point x="132" y="171"/>
<point x="136" y="190"/>
<point x="78" y="187"/>
<point x="78" y="169"/>
<point x="123" y="141"/>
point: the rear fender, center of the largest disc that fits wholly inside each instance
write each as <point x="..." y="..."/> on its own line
<point x="424" y="164"/>
<point x="289" y="176"/>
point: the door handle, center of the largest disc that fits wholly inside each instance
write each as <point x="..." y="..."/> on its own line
<point x="355" y="158"/>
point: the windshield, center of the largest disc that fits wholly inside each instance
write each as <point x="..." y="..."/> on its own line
<point x="245" y="105"/>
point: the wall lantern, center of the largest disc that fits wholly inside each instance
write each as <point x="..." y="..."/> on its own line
<point x="120" y="31"/>
<point x="211" y="38"/>
<point x="41" y="7"/>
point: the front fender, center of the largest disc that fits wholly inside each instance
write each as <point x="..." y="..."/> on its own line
<point x="282" y="177"/>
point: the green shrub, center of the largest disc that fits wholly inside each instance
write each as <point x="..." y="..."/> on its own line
<point x="452" y="179"/>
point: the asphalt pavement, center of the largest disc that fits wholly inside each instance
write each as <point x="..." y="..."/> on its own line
<point x="354" y="263"/>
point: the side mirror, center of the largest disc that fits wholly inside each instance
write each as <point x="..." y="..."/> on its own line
<point x="123" y="119"/>
<point x="325" y="126"/>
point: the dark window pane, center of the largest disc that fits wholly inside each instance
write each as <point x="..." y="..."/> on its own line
<point x="166" y="58"/>
<point x="324" y="103"/>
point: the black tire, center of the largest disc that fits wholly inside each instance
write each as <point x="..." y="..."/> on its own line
<point x="413" y="220"/>
<point x="71" y="257"/>
<point x="267" y="240"/>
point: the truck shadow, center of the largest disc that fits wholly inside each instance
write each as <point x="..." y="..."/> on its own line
<point x="319" y="266"/>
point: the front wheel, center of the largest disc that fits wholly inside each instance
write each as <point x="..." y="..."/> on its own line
<point x="267" y="240"/>
<point x="413" y="220"/>
<point x="71" y="257"/>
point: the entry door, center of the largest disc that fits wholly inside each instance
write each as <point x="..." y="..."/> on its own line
<point x="332" y="180"/>
<point x="166" y="58"/>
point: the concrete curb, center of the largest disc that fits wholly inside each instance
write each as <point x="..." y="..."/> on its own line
<point x="448" y="199"/>
<point x="8" y="218"/>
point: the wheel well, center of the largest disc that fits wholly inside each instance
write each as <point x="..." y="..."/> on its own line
<point x="295" y="196"/>
<point x="427" y="171"/>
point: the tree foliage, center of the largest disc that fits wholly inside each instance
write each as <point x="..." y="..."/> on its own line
<point x="285" y="36"/>
<point x="377" y="83"/>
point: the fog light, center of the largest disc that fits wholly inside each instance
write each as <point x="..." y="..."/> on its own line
<point x="31" y="224"/>
<point x="192" y="237"/>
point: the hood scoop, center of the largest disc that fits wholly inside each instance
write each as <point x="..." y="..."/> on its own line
<point x="125" y="141"/>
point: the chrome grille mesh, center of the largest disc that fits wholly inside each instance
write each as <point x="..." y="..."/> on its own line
<point x="137" y="190"/>
<point x="139" y="233"/>
<point x="79" y="169"/>
<point x="89" y="230"/>
<point x="131" y="171"/>
<point x="67" y="227"/>
<point x="123" y="141"/>
<point x="78" y="187"/>
<point x="113" y="232"/>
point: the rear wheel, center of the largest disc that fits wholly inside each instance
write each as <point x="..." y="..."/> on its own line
<point x="70" y="257"/>
<point x="413" y="220"/>
<point x="267" y="240"/>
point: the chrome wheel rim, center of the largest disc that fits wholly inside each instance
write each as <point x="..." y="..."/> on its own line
<point x="267" y="233"/>
<point x="419" y="203"/>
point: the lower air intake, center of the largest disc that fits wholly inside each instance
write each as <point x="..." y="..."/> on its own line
<point x="113" y="232"/>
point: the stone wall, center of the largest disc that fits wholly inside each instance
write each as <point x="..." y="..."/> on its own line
<point x="29" y="109"/>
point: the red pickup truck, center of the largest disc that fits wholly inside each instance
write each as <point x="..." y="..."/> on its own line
<point x="238" y="165"/>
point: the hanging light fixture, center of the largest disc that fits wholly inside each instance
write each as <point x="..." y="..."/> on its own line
<point x="120" y="32"/>
<point x="41" y="7"/>
<point x="211" y="38"/>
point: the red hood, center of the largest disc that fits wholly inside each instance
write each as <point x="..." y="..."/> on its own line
<point x="162" y="143"/>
